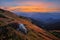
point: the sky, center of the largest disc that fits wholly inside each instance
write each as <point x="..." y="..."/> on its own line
<point x="31" y="5"/>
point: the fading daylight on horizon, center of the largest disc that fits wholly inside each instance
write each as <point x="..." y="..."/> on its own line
<point x="31" y="5"/>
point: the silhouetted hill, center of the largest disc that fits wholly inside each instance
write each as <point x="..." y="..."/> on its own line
<point x="53" y="25"/>
<point x="43" y="19"/>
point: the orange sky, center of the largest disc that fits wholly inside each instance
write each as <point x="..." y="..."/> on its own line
<point x="33" y="7"/>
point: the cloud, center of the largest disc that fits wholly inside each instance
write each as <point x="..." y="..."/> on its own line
<point x="32" y="9"/>
<point x="26" y="2"/>
<point x="32" y="6"/>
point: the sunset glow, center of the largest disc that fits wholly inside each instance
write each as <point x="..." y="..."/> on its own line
<point x="32" y="9"/>
<point x="31" y="5"/>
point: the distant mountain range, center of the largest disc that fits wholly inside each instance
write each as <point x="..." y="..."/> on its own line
<point x="50" y="21"/>
<point x="45" y="17"/>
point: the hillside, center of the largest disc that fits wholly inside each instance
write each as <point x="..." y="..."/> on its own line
<point x="9" y="32"/>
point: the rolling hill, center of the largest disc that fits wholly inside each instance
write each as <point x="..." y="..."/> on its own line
<point x="8" y="31"/>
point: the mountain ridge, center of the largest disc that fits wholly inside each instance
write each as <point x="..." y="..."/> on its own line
<point x="43" y="33"/>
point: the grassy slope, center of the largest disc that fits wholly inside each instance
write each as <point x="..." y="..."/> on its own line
<point x="35" y="33"/>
